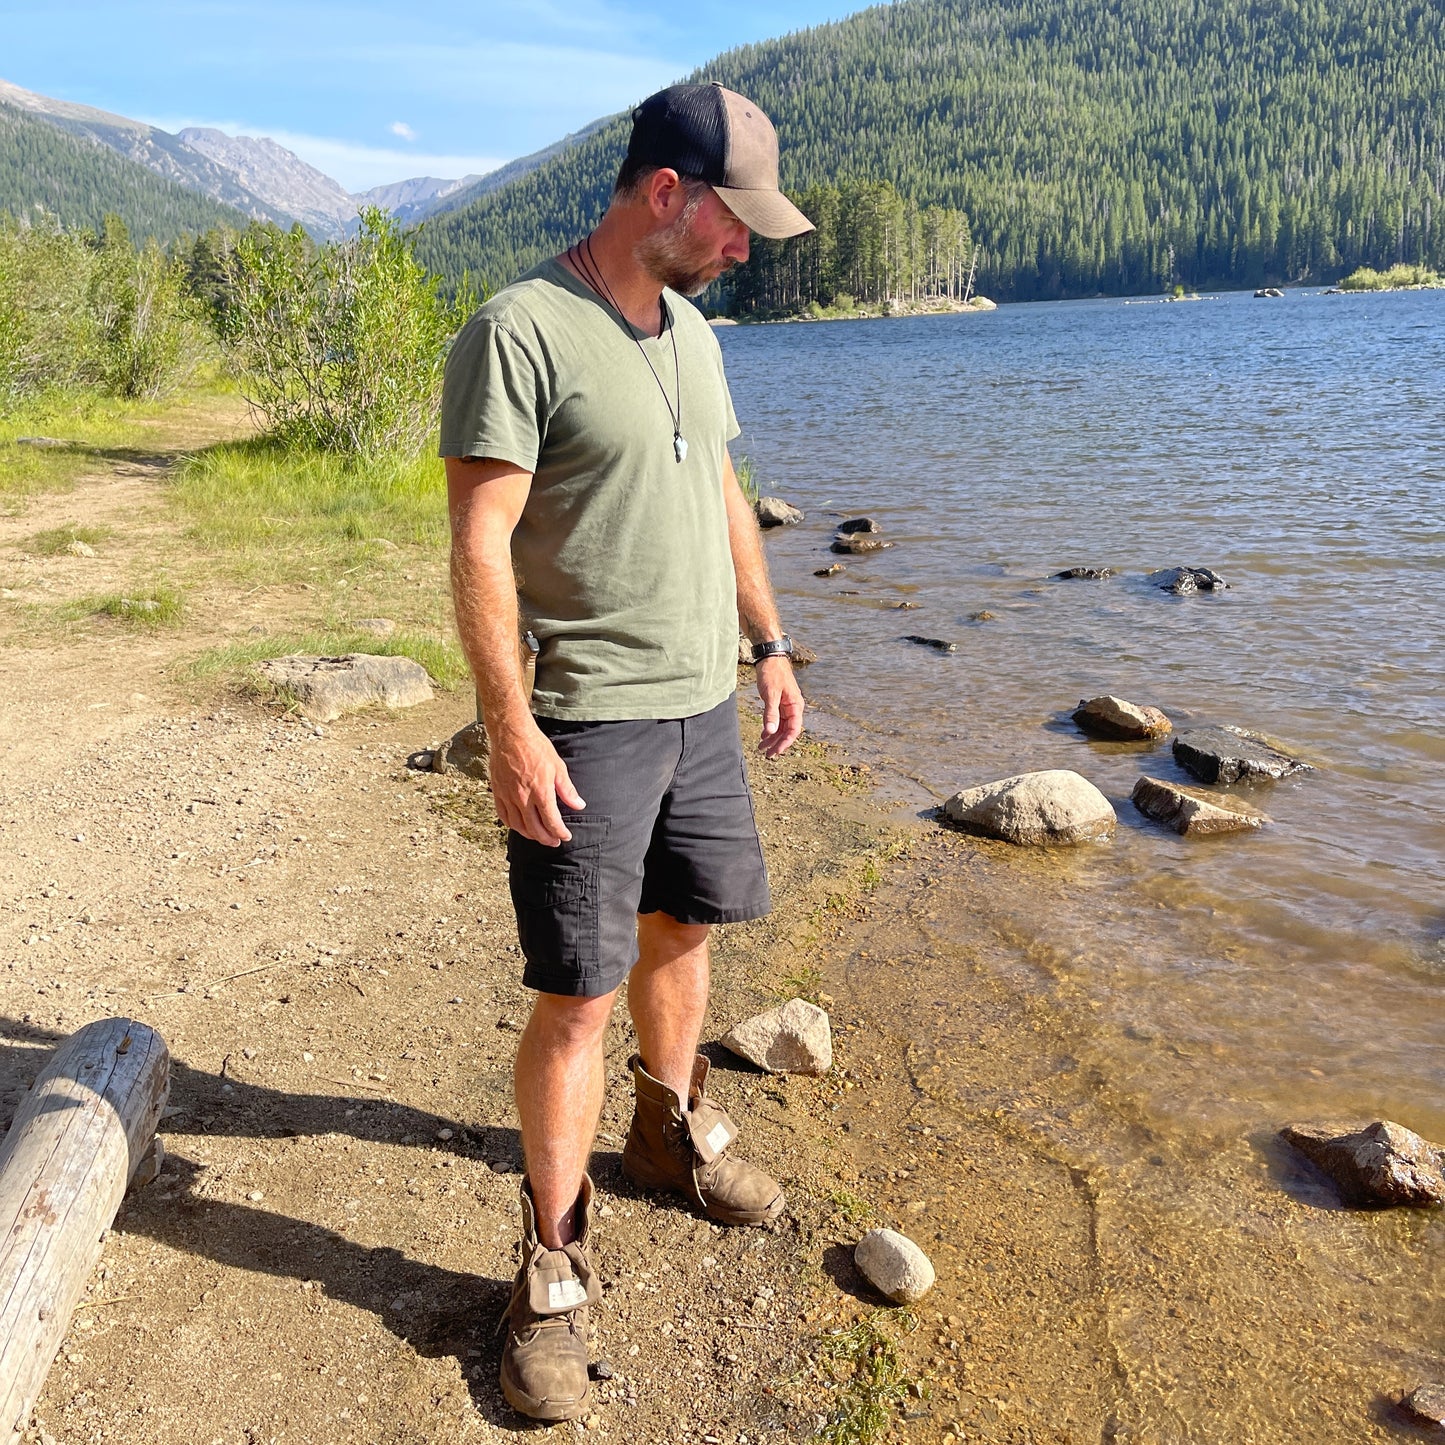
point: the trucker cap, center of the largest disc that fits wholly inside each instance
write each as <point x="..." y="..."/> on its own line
<point x="720" y="137"/>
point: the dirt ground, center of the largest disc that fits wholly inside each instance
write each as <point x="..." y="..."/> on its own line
<point x="322" y="935"/>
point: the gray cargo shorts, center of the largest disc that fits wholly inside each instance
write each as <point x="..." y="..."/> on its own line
<point x="668" y="827"/>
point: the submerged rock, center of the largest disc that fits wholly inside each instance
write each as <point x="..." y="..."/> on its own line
<point x="984" y="616"/>
<point x="896" y="1267"/>
<point x="938" y="644"/>
<point x="1112" y="717"/>
<point x="831" y="570"/>
<point x="327" y="687"/>
<point x="1183" y="580"/>
<point x="858" y="543"/>
<point x="775" y="512"/>
<point x="1085" y="574"/>
<point x="1053" y="806"/>
<point x="855" y="525"/>
<point x="1194" y="813"/>
<point x="1227" y="755"/>
<point x="796" y="1038"/>
<point x="1383" y="1164"/>
<point x="466" y="751"/>
<point x="1427" y="1404"/>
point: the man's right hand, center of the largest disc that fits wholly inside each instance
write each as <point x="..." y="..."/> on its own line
<point x="528" y="779"/>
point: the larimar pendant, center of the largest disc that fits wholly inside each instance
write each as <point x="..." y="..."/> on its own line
<point x="679" y="445"/>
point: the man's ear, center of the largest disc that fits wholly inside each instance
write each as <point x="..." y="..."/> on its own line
<point x="665" y="194"/>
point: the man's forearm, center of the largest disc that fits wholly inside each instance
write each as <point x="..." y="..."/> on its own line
<point x="485" y="597"/>
<point x="757" y="610"/>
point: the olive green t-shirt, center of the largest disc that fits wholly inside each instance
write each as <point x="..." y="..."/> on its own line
<point x="623" y="567"/>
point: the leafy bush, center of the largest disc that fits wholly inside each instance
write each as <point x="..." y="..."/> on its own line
<point x="339" y="347"/>
<point x="77" y="311"/>
<point x="1397" y="278"/>
<point x="148" y="333"/>
<point x="45" y="323"/>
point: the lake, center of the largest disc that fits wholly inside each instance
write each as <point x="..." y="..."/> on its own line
<point x="1217" y="987"/>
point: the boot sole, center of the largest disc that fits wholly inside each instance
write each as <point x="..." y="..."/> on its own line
<point x="534" y="1409"/>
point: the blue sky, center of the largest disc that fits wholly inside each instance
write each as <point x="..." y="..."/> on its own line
<point x="372" y="92"/>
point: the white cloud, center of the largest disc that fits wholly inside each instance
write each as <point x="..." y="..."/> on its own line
<point x="401" y="128"/>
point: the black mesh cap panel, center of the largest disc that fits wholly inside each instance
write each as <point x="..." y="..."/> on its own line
<point x="685" y="128"/>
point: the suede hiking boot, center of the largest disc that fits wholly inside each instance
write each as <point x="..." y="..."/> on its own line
<point x="687" y="1153"/>
<point x="544" y="1360"/>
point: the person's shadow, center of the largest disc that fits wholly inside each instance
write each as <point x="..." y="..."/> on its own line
<point x="438" y="1312"/>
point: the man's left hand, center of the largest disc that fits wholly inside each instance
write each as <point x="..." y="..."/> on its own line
<point x="782" y="705"/>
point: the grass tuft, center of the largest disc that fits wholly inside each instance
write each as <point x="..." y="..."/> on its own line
<point x="159" y="607"/>
<point x="873" y="1383"/>
<point x="56" y="541"/>
<point x="255" y="495"/>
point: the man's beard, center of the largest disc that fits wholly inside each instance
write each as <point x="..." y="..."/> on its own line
<point x="671" y="257"/>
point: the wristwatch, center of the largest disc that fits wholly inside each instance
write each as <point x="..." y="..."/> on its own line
<point x="774" y="647"/>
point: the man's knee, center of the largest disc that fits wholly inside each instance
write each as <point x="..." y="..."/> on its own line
<point x="663" y="928"/>
<point x="565" y="1023"/>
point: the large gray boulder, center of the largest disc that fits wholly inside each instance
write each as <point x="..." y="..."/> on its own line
<point x="1112" y="717"/>
<point x="796" y="1038"/>
<point x="326" y="687"/>
<point x="775" y="512"/>
<point x="1383" y="1164"/>
<point x="1054" y="806"/>
<point x="1194" y="813"/>
<point x="896" y="1267"/>
<point x="1229" y="755"/>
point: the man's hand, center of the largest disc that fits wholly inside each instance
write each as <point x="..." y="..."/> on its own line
<point x="527" y="780"/>
<point x="782" y="705"/>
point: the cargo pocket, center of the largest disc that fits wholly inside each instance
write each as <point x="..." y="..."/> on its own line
<point x="556" y="893"/>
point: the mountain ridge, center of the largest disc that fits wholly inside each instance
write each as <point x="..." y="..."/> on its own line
<point x="1094" y="150"/>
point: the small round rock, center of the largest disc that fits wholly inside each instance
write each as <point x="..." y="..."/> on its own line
<point x="894" y="1265"/>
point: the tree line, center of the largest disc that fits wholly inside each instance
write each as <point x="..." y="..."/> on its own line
<point x="871" y="245"/>
<point x="1094" y="149"/>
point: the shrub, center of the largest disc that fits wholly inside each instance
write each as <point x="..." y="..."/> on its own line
<point x="339" y="347"/>
<point x="45" y="322"/>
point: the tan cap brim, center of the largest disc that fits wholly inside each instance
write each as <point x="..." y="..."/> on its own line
<point x="769" y="213"/>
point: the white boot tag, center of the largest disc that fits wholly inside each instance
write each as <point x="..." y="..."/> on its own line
<point x="718" y="1137"/>
<point x="565" y="1294"/>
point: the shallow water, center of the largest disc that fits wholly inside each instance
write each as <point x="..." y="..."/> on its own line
<point x="1216" y="987"/>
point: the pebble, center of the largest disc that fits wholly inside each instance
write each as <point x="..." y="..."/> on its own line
<point x="444" y="1134"/>
<point x="894" y="1265"/>
<point x="255" y="1196"/>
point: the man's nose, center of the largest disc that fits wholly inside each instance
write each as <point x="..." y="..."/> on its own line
<point x="737" y="248"/>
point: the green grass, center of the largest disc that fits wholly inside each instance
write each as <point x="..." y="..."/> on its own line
<point x="153" y="607"/>
<point x="873" y="1383"/>
<point x="1397" y="278"/>
<point x="443" y="660"/>
<point x="257" y="497"/>
<point x="91" y="428"/>
<point x="56" y="541"/>
<point x="747" y="475"/>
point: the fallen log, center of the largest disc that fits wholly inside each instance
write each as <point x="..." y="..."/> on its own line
<point x="79" y="1136"/>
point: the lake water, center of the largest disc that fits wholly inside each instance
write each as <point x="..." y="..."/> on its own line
<point x="1218" y="987"/>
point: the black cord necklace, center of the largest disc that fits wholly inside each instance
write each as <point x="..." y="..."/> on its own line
<point x="591" y="273"/>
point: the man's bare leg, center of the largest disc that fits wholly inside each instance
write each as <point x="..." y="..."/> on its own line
<point x="667" y="997"/>
<point x="559" y="1081"/>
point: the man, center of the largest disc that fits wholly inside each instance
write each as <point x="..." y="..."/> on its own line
<point x="585" y="422"/>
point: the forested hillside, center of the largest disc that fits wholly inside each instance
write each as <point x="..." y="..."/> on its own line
<point x="81" y="182"/>
<point x="1093" y="148"/>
